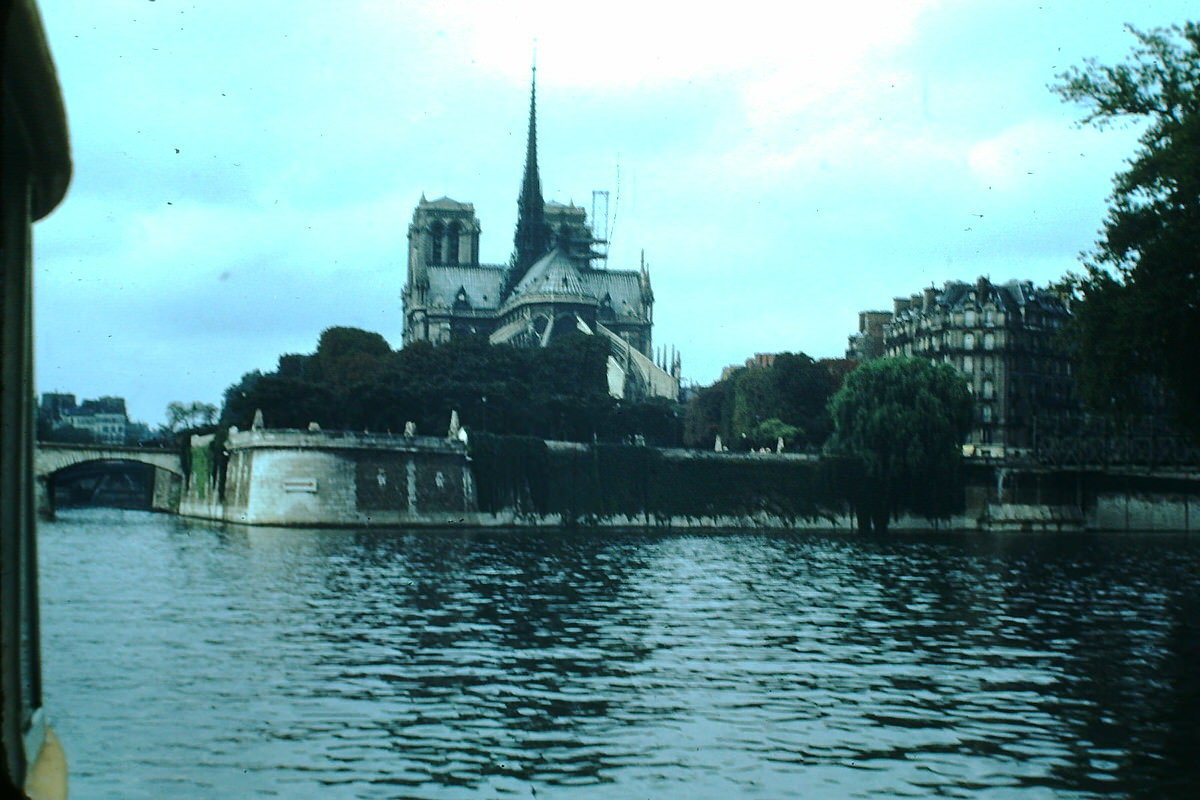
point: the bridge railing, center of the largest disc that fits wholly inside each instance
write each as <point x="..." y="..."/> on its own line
<point x="1079" y="440"/>
<point x="123" y="448"/>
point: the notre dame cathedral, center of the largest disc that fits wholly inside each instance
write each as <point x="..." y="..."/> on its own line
<point x="553" y="285"/>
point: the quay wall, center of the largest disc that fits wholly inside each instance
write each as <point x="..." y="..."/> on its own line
<point x="278" y="477"/>
<point x="167" y="491"/>
<point x="1145" y="513"/>
<point x="300" y="478"/>
<point x="1098" y="498"/>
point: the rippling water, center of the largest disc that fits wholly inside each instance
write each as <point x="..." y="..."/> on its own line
<point x="187" y="660"/>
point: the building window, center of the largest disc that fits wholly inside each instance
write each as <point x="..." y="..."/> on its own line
<point x="968" y="341"/>
<point x="989" y="341"/>
<point x="436" y="233"/>
<point x="969" y="317"/>
<point x="452" y="233"/>
<point x="968" y="364"/>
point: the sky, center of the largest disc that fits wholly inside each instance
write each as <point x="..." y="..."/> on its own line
<point x="245" y="172"/>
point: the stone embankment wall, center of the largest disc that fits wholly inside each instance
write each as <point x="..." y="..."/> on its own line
<point x="1145" y="513"/>
<point x="281" y="477"/>
<point x="1139" y="502"/>
<point x="338" y="479"/>
<point x="1004" y="497"/>
<point x="167" y="492"/>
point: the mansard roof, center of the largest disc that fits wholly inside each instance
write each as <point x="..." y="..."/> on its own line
<point x="1010" y="297"/>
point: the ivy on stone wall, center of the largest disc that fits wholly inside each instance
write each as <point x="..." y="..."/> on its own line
<point x="200" y="468"/>
<point x="510" y="472"/>
<point x="583" y="483"/>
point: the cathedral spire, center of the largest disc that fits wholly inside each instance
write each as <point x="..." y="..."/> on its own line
<point x="532" y="238"/>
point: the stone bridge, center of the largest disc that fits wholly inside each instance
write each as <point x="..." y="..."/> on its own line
<point x="50" y="458"/>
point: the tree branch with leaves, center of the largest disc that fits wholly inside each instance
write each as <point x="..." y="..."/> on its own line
<point x="1137" y="306"/>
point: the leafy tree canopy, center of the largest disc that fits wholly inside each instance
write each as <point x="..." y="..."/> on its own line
<point x="1137" y="306"/>
<point x="181" y="416"/>
<point x="903" y="420"/>
<point x="355" y="381"/>
<point x="349" y="355"/>
<point x="793" y="392"/>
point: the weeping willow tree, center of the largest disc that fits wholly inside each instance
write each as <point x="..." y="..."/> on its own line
<point x="900" y="424"/>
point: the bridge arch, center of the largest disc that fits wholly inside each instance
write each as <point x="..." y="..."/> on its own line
<point x="50" y="459"/>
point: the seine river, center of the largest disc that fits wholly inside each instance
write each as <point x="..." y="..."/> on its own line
<point x="188" y="660"/>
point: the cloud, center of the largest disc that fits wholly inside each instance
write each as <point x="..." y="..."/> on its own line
<point x="246" y="172"/>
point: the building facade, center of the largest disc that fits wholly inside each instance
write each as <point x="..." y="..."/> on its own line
<point x="105" y="418"/>
<point x="1004" y="338"/>
<point x="557" y="282"/>
<point x="868" y="342"/>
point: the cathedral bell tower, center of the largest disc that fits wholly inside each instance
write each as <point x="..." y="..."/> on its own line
<point x="442" y="233"/>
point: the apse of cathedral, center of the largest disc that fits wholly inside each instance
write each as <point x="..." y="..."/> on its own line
<point x="557" y="282"/>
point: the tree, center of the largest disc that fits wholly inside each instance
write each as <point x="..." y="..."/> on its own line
<point x="181" y="416"/>
<point x="1137" y="306"/>
<point x="349" y="355"/>
<point x="355" y="381"/>
<point x="656" y="419"/>
<point x="793" y="391"/>
<point x="703" y="415"/>
<point x="903" y="421"/>
<point x="769" y="432"/>
<point x="756" y="397"/>
<point x="805" y="386"/>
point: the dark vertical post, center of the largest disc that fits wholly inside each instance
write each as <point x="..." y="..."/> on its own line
<point x="35" y="168"/>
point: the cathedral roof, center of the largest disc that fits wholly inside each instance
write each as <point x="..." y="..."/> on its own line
<point x="446" y="203"/>
<point x="559" y="274"/>
<point x="553" y="273"/>
<point x="623" y="287"/>
<point x="482" y="285"/>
